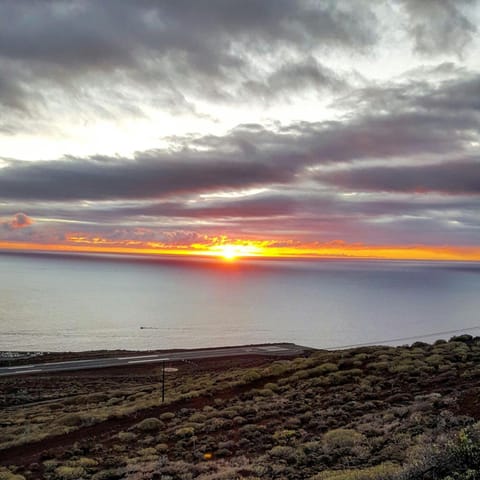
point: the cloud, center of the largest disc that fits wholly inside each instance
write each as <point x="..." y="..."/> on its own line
<point x="295" y="77"/>
<point x="113" y="32"/>
<point x="459" y="178"/>
<point x="440" y="26"/>
<point x="153" y="174"/>
<point x="20" y="220"/>
<point x="117" y="58"/>
<point x="432" y="123"/>
<point x="352" y="146"/>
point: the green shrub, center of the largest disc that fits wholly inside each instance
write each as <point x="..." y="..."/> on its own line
<point x="184" y="432"/>
<point x="145" y="452"/>
<point x="109" y="474"/>
<point x="435" y="360"/>
<point x="126" y="436"/>
<point x="251" y="375"/>
<point x="6" y="474"/>
<point x="71" y="420"/>
<point x="284" y="436"/>
<point x="198" y="418"/>
<point x="149" y="425"/>
<point x="83" y="462"/>
<point x="281" y="451"/>
<point x="383" y="471"/>
<point x="167" y="416"/>
<point x="378" y="365"/>
<point x="69" y="473"/>
<point x="50" y="465"/>
<point x="325" y="368"/>
<point x="342" y="438"/>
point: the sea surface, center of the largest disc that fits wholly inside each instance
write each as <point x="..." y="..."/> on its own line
<point x="75" y="302"/>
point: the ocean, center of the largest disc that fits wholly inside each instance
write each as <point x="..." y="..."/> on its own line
<point x="52" y="302"/>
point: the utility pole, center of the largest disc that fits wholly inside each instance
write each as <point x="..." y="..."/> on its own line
<point x="163" y="381"/>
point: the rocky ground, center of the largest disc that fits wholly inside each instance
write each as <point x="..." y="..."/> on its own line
<point x="367" y="413"/>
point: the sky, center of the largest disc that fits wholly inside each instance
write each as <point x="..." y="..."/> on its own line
<point x="241" y="127"/>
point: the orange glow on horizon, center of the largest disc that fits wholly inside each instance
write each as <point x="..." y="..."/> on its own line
<point x="233" y="250"/>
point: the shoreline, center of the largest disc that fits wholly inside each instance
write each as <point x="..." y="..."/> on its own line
<point x="9" y="359"/>
<point x="228" y="408"/>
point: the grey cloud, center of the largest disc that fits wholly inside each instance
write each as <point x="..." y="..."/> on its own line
<point x="12" y="95"/>
<point x="456" y="96"/>
<point x="440" y="26"/>
<point x="116" y="33"/>
<point x="252" y="155"/>
<point x="292" y="205"/>
<point x="171" y="50"/>
<point x="147" y="176"/>
<point x="456" y="177"/>
<point x="459" y="95"/>
<point x="20" y="220"/>
<point x="293" y="77"/>
<point x="299" y="213"/>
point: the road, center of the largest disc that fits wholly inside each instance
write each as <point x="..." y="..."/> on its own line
<point x="52" y="367"/>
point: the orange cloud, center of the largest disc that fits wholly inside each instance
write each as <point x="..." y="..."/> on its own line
<point x="223" y="247"/>
<point x="20" y="220"/>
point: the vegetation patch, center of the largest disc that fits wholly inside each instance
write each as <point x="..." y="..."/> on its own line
<point x="392" y="413"/>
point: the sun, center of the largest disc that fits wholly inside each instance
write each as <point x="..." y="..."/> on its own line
<point x="231" y="252"/>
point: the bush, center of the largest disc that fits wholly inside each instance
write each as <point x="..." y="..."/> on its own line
<point x="184" y="432"/>
<point x="449" y="459"/>
<point x="384" y="471"/>
<point x="126" y="436"/>
<point x="251" y="375"/>
<point x="6" y="474"/>
<point x="71" y="420"/>
<point x="85" y="462"/>
<point x="167" y="416"/>
<point x="284" y="436"/>
<point x="325" y="368"/>
<point x="282" y="452"/>
<point x="70" y="473"/>
<point x="149" y="425"/>
<point x="109" y="474"/>
<point x="342" y="438"/>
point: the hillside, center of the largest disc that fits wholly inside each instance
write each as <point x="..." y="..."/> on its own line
<point x="368" y="413"/>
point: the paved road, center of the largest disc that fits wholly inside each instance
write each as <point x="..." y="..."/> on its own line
<point x="274" y="349"/>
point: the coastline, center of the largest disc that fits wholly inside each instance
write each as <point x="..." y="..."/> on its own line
<point x="107" y="422"/>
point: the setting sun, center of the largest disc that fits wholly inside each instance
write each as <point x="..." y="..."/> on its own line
<point x="229" y="252"/>
<point x="232" y="251"/>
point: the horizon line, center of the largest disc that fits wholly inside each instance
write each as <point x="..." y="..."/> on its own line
<point x="235" y="252"/>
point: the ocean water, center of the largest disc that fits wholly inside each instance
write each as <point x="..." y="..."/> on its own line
<point x="75" y="303"/>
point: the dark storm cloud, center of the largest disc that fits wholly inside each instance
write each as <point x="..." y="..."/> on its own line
<point x="147" y="176"/>
<point x="111" y="32"/>
<point x="241" y="160"/>
<point x="71" y="64"/>
<point x="437" y="121"/>
<point x="459" y="95"/>
<point x="443" y="91"/>
<point x="440" y="26"/>
<point x="457" y="177"/>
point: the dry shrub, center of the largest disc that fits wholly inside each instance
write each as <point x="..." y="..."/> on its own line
<point x="384" y="471"/>
<point x="149" y="425"/>
<point x="341" y="438"/>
